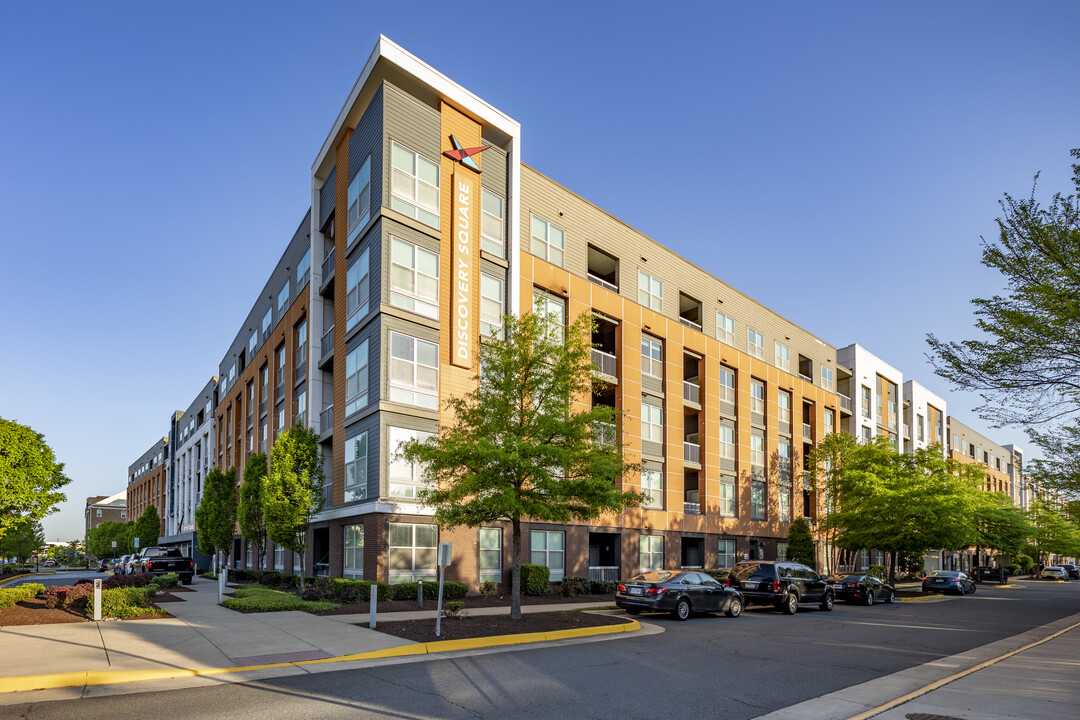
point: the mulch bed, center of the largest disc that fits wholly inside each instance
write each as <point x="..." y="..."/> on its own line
<point x="472" y="601"/>
<point x="476" y="626"/>
<point x="34" y="612"/>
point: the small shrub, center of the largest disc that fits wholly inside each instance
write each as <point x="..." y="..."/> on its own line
<point x="208" y="575"/>
<point x="1025" y="562"/>
<point x="451" y="590"/>
<point x="127" y="602"/>
<point x="553" y="591"/>
<point x="10" y="596"/>
<point x="350" y="595"/>
<point x="574" y="585"/>
<point x="384" y="591"/>
<point x="534" y="579"/>
<point x="116" y="581"/>
<point x="240" y="576"/>
<point x="271" y="578"/>
<point x="67" y="596"/>
<point x="880" y="571"/>
<point x="253" y="599"/>
<point x="318" y="589"/>
<point x="604" y="587"/>
<point x="720" y="574"/>
<point x="84" y="581"/>
<point x="167" y="580"/>
<point x="454" y="609"/>
<point x="488" y="588"/>
<point x="1014" y="569"/>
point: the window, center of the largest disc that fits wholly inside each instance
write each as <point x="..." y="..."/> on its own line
<point x="301" y="344"/>
<point x="414" y="371"/>
<point x="866" y="433"/>
<point x="359" y="201"/>
<point x="783" y="406"/>
<point x="726" y="441"/>
<point x="553" y="307"/>
<point x="652" y="357"/>
<point x="232" y="374"/>
<point x="783" y="357"/>
<point x="299" y="408"/>
<point x="123" y="514"/>
<point x="281" y="417"/>
<point x="303" y="269"/>
<point x="725" y="329"/>
<point x="267" y="318"/>
<point x="99" y="512"/>
<point x="253" y="342"/>
<point x="279" y="557"/>
<point x="414" y="278"/>
<point x="651" y="552"/>
<point x="725" y="553"/>
<point x="919" y="427"/>
<point x="652" y="484"/>
<point x="757" y="450"/>
<point x="865" y="401"/>
<point x="415" y="186"/>
<point x="828" y="379"/>
<point x="412" y="552"/>
<point x="652" y="423"/>
<point x="356" y="379"/>
<point x="784" y="497"/>
<point x="830" y="422"/>
<point x="283" y="296"/>
<point x="757" y="501"/>
<point x="357" y="289"/>
<point x="405" y="476"/>
<point x="781" y="551"/>
<point x="727" y="385"/>
<point x="356" y="458"/>
<point x="491" y="305"/>
<point x="491" y="223"/>
<point x="650" y="291"/>
<point x="354" y="552"/>
<point x="548" y="548"/>
<point x="757" y="397"/>
<point x="755" y="343"/>
<point x="548" y="241"/>
<point x="727" y="496"/>
<point x="491" y="554"/>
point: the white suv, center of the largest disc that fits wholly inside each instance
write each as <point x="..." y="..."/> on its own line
<point x="1055" y="571"/>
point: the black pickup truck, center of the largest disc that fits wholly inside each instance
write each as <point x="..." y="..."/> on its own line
<point x="163" y="560"/>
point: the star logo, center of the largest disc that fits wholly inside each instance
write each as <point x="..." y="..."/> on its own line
<point x="462" y="154"/>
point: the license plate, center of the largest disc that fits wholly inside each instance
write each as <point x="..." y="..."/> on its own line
<point x="637" y="591"/>
<point x="749" y="585"/>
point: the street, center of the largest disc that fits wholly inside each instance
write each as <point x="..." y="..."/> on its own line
<point x="709" y="666"/>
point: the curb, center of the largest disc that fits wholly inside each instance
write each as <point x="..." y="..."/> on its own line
<point x="113" y="677"/>
<point x="925" y="599"/>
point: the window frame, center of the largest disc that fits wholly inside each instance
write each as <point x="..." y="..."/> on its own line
<point x="397" y="485"/>
<point x="360" y="197"/>
<point x="646" y="297"/>
<point x="355" y="569"/>
<point x="554" y="575"/>
<point x="647" y="552"/>
<point x="544" y="251"/>
<point x="654" y="488"/>
<point x="489" y="325"/>
<point x="412" y="300"/>
<point x="782" y="356"/>
<point x="358" y="293"/>
<point x="755" y="343"/>
<point x="655" y="431"/>
<point x="358" y="464"/>
<point x="493" y="573"/>
<point x="649" y="359"/>
<point x="412" y="206"/>
<point x="410" y="394"/>
<point x="486" y="240"/>
<point x="418" y="566"/>
<point x="725" y="329"/>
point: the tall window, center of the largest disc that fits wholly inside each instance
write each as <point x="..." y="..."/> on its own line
<point x="283" y="297"/>
<point x="784" y="496"/>
<point x="301" y="344"/>
<point x="554" y="308"/>
<point x="491" y="305"/>
<point x="865" y="401"/>
<point x="359" y="201"/>
<point x="757" y="500"/>
<point x="755" y="343"/>
<point x="652" y="422"/>
<point x="414" y="278"/>
<point x="356" y="465"/>
<point x="828" y="379"/>
<point x="830" y="422"/>
<point x="356" y="379"/>
<point x="266" y="322"/>
<point x="548" y="547"/>
<point x="279" y="557"/>
<point x="866" y="434"/>
<point x="650" y="291"/>
<point x="303" y="269"/>
<point x="491" y="223"/>
<point x="412" y="552"/>
<point x="725" y="553"/>
<point x="253" y="342"/>
<point x="548" y="241"/>
<point x="415" y="186"/>
<point x="919" y="427"/>
<point x="725" y="329"/>
<point x="757" y="396"/>
<point x="651" y="552"/>
<point x="726" y="442"/>
<point x="491" y="554"/>
<point x="354" y="552"/>
<point x="781" y="551"/>
<point x="652" y="357"/>
<point x="783" y="357"/>
<point x="414" y="371"/>
<point x="783" y="406"/>
<point x="727" y="496"/>
<point x="405" y="476"/>
<point x="652" y="484"/>
<point x="357" y="289"/>
<point x="299" y="406"/>
<point x="727" y="385"/>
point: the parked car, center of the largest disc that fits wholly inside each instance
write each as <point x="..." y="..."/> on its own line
<point x="103" y="566"/>
<point x="863" y="589"/>
<point x="122" y="565"/>
<point x="781" y="584"/>
<point x="162" y="560"/>
<point x="1073" y="571"/>
<point x="943" y="581"/>
<point x="1055" y="572"/>
<point x="679" y="593"/>
<point x="49" y="563"/>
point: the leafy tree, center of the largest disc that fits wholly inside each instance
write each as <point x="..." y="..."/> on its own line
<point x="215" y="518"/>
<point x="100" y="539"/>
<point x="1026" y="365"/>
<point x="252" y="519"/>
<point x="22" y="541"/>
<point x="1053" y="533"/>
<point x="293" y="489"/>
<point x="801" y="543"/>
<point x="148" y="527"/>
<point x="1000" y="525"/>
<point x="525" y="443"/>
<point x="30" y="477"/>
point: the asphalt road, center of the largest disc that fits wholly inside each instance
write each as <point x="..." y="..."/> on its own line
<point x="61" y="576"/>
<point x="706" y="667"/>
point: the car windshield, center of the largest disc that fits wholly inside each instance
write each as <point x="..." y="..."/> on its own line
<point x="946" y="573"/>
<point x="752" y="570"/>
<point x="654" y="576"/>
<point x="852" y="578"/>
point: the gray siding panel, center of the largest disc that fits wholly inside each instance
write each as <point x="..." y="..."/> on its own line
<point x="410" y="123"/>
<point x="494" y="165"/>
<point x="327" y="197"/>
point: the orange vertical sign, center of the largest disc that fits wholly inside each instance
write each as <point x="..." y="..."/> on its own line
<point x="464" y="279"/>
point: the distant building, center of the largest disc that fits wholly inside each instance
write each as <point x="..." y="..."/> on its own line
<point x="146" y="481"/>
<point x="104" y="508"/>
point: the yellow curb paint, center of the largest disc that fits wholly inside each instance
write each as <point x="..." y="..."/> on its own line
<point x="924" y="599"/>
<point x="956" y="676"/>
<point x="116" y="677"/>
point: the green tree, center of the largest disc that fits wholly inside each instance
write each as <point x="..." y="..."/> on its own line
<point x="22" y="541"/>
<point x="30" y="477"/>
<point x="148" y="527"/>
<point x="1052" y="532"/>
<point x="215" y="518"/>
<point x="100" y="539"/>
<point x="251" y="517"/>
<point x="293" y="489"/>
<point x="525" y="443"/>
<point x="801" y="543"/>
<point x="1000" y="525"/>
<point x="1026" y="364"/>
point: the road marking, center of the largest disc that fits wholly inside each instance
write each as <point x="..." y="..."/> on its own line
<point x="915" y="627"/>
<point x="956" y="676"/>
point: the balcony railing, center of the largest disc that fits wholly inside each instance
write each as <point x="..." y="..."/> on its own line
<point x="326" y="419"/>
<point x="605" y="433"/>
<point x="845" y="402"/>
<point x="692" y="452"/>
<point x="328" y="265"/>
<point x="691" y="392"/>
<point x="692" y="508"/>
<point x="603" y="283"/>
<point x="604" y="573"/>
<point x="690" y="323"/>
<point x="328" y="342"/>
<point x="807" y="433"/>
<point x="907" y="431"/>
<point x="605" y="363"/>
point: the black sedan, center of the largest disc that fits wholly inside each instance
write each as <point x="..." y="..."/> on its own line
<point x="948" y="581"/>
<point x="863" y="589"/>
<point x="1073" y="571"/>
<point x="679" y="593"/>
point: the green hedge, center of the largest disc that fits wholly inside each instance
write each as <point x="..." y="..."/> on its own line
<point x="10" y="596"/>
<point x="535" y="579"/>
<point x="451" y="590"/>
<point x="385" y="591"/>
<point x="126" y="602"/>
<point x="256" y="599"/>
<point x="717" y="574"/>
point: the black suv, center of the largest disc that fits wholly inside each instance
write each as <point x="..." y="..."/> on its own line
<point x="781" y="584"/>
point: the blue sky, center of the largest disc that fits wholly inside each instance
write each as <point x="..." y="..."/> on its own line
<point x="837" y="162"/>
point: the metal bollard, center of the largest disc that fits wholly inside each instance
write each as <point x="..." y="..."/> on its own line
<point x="420" y="594"/>
<point x="373" y="599"/>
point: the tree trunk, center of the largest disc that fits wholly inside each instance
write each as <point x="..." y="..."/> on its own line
<point x="892" y="568"/>
<point x="515" y="571"/>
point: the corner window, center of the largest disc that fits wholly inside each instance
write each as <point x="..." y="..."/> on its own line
<point x="548" y="241"/>
<point x="415" y="186"/>
<point x="357" y="289"/>
<point x="405" y="476"/>
<point x="359" y="201"/>
<point x="755" y="343"/>
<point x="651" y="552"/>
<point x="491" y="223"/>
<point x="356" y="379"/>
<point x="356" y="456"/>
<point x="491" y="305"/>
<point x="652" y="484"/>
<point x="414" y="278"/>
<point x="414" y="371"/>
<point x="650" y="291"/>
<point x="412" y="552"/>
<point x="548" y="547"/>
<point x="353" y="545"/>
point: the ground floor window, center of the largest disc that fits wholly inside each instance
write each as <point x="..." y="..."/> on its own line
<point x="725" y="550"/>
<point x="354" y="552"/>
<point x="651" y="552"/>
<point x="248" y="563"/>
<point x="781" y="551"/>
<point x="491" y="554"/>
<point x="412" y="552"/>
<point x="548" y="547"/>
<point x="279" y="558"/>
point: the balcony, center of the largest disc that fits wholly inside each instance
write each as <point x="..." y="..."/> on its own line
<point x="690" y="323"/>
<point x="603" y="283"/>
<point x="604" y="573"/>
<point x="326" y="420"/>
<point x="327" y="274"/>
<point x="691" y="392"/>
<point x="691" y="503"/>
<point x="907" y="431"/>
<point x="606" y="364"/>
<point x="691" y="452"/>
<point x="845" y="403"/>
<point x="327" y="346"/>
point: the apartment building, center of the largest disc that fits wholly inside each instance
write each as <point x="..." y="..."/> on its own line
<point x="924" y="418"/>
<point x="970" y="447"/>
<point x="874" y="388"/>
<point x="105" y="508"/>
<point x="147" y="480"/>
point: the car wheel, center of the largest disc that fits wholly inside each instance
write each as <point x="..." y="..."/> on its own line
<point x="972" y="588"/>
<point x="889" y="596"/>
<point x="633" y="611"/>
<point x="869" y="599"/>
<point x="734" y="608"/>
<point x="827" y="602"/>
<point x="790" y="604"/>
<point x="682" y="609"/>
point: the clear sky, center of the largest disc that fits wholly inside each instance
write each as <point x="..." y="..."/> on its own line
<point x="838" y="162"/>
